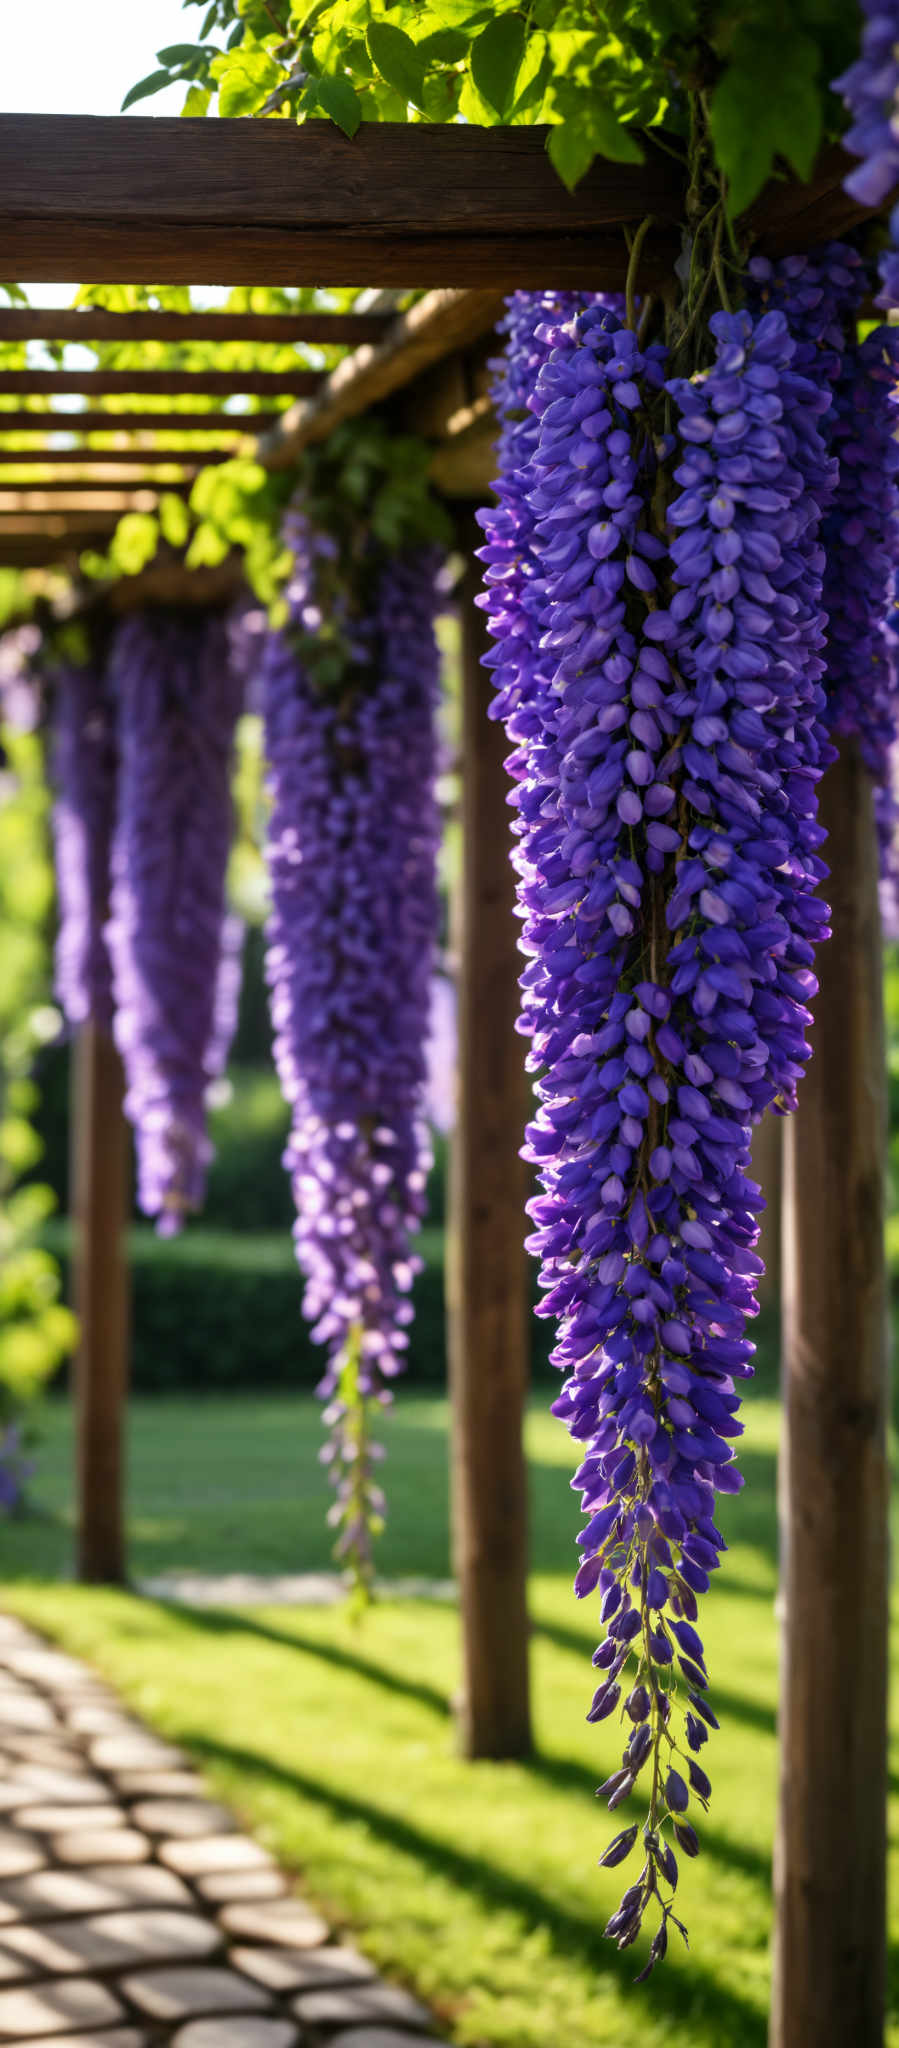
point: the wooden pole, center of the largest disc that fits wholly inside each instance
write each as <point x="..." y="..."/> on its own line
<point x="830" y="1856"/>
<point x="489" y="1327"/>
<point x="100" y="1204"/>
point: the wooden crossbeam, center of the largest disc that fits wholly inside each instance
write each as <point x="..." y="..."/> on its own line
<point x="96" y="199"/>
<point x="116" y="458"/>
<point x="163" y="383"/>
<point x="94" y="323"/>
<point x="97" y="422"/>
<point x="90" y="496"/>
<point x="433" y="328"/>
<point x="33" y="524"/>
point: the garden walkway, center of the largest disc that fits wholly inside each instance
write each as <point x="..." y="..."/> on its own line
<point x="133" y="1913"/>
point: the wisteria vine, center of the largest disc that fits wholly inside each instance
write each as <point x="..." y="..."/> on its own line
<point x="351" y="851"/>
<point x="171" y="941"/>
<point x="657" y="571"/>
<point x="85" y="765"/>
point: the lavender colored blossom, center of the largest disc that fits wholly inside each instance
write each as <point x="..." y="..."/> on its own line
<point x="15" y="1469"/>
<point x="21" y="678"/>
<point x="441" y="1055"/>
<point x="84" y="763"/>
<point x="177" y="700"/>
<point x="351" y="855"/>
<point x="870" y="89"/>
<point x="667" y="760"/>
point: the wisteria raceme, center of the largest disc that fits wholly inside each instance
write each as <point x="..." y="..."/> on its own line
<point x="84" y="764"/>
<point x="351" y="855"/>
<point x="21" y="679"/>
<point x="669" y="965"/>
<point x="821" y="295"/>
<point x="177" y="700"/>
<point x="870" y="89"/>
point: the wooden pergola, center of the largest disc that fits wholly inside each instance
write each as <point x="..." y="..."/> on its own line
<point x="470" y="215"/>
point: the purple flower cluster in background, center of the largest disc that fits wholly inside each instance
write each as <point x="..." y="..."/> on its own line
<point x="351" y="854"/>
<point x="665" y="694"/>
<point x="870" y="89"/>
<point x="84" y="771"/>
<point x="177" y="700"/>
<point x="21" y="677"/>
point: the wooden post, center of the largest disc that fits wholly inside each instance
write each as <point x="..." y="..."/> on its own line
<point x="100" y="1189"/>
<point x="830" y="1855"/>
<point x="489" y="1325"/>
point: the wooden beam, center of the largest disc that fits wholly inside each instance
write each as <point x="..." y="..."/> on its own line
<point x="106" y="200"/>
<point x="830" y="1859"/>
<point x="93" y="323"/>
<point x="89" y="497"/>
<point x="94" y="422"/>
<point x="100" y="1195"/>
<point x="489" y="1322"/>
<point x="55" y="525"/>
<point x="111" y="460"/>
<point x="164" y="383"/>
<point x="39" y="551"/>
<point x="102" y="200"/>
<point x="464" y="462"/>
<point x="436" y="326"/>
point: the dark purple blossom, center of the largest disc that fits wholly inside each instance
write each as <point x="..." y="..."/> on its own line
<point x="870" y="89"/>
<point x="351" y="855"/>
<point x="84" y="769"/>
<point x="177" y="701"/>
<point x="663" y="680"/>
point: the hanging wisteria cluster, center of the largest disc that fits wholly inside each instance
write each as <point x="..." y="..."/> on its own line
<point x="171" y="941"/>
<point x="659" y="569"/>
<point x="870" y="89"/>
<point x="349" y="730"/>
<point x="83" y="814"/>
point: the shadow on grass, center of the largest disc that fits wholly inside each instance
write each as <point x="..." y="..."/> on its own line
<point x="700" y="1998"/>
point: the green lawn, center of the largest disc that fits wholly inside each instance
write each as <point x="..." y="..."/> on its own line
<point x="476" y="1884"/>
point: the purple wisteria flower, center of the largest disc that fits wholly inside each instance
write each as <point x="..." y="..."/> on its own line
<point x="21" y="677"/>
<point x="177" y="700"/>
<point x="668" y="858"/>
<point x="351" y="853"/>
<point x="870" y="89"/>
<point x="84" y="769"/>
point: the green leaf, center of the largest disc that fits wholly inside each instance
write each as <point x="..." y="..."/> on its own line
<point x="337" y="98"/>
<point x="495" y="59"/>
<point x="461" y="13"/>
<point x="209" y="20"/>
<point x="247" y="77"/>
<point x="395" y="56"/>
<point x="444" y="46"/>
<point x="767" y="105"/>
<point x="134" y="542"/>
<point x="196" y="103"/>
<point x="575" y="142"/>
<point x="180" y="53"/>
<point x="154" y="82"/>
<point x="174" y="519"/>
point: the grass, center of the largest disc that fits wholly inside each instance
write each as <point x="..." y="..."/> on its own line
<point x="476" y="1884"/>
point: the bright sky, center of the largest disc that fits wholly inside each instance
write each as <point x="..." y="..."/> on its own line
<point x="81" y="57"/>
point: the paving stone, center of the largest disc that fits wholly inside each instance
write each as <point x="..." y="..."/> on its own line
<point x="18" y="1854"/>
<point x="297" y="1969"/>
<point x="12" y="1796"/>
<point x="190" y="1994"/>
<point x="25" y="1710"/>
<point x="48" y="1894"/>
<point x="99" y="1845"/>
<point x="285" y="1922"/>
<point x="380" y="2037"/>
<point x="13" y="1631"/>
<point x="343" y="2008"/>
<point x="66" y="1788"/>
<point x="107" y="1941"/>
<point x="224" y="1887"/>
<point x="45" y="1667"/>
<point x="100" y="1717"/>
<point x="157" y="1784"/>
<point x="119" y="2037"/>
<point x="214" y="1852"/>
<point x="66" y="2008"/>
<point x="251" y="2030"/>
<point x="62" y="1820"/>
<point x="134" y="1751"/>
<point x="36" y="1746"/>
<point x="182" y="1817"/>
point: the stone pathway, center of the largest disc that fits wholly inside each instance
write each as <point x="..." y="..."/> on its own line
<point x="133" y="1914"/>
